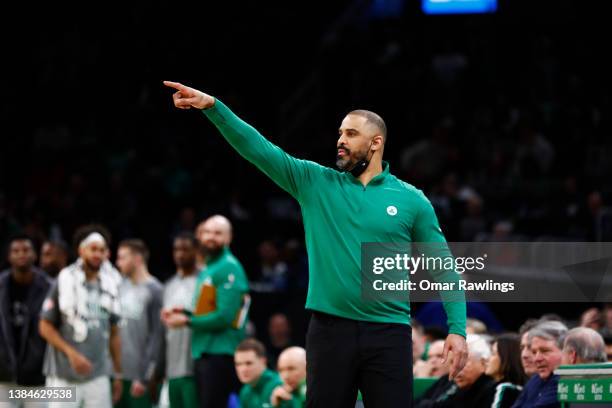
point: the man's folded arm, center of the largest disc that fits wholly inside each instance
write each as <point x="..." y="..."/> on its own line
<point x="229" y="298"/>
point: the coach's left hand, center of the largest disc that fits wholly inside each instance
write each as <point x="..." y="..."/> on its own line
<point x="456" y="345"/>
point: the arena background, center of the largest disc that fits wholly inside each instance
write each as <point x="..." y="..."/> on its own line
<point x="502" y="119"/>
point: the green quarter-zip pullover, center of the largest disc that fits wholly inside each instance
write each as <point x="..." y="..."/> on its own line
<point x="340" y="214"/>
<point x="221" y="306"/>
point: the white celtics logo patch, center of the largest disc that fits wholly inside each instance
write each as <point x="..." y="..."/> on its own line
<point x="391" y="210"/>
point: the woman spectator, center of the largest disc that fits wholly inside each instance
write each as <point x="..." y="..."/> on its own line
<point x="505" y="368"/>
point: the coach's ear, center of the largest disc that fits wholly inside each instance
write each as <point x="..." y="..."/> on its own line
<point x="377" y="142"/>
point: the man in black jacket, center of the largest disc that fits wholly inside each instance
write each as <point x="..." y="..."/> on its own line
<point x="23" y="288"/>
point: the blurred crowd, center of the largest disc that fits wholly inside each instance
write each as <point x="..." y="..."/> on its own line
<point x="514" y="368"/>
<point x="503" y="369"/>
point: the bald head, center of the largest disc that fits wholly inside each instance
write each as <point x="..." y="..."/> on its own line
<point x="583" y="345"/>
<point x="293" y="354"/>
<point x="215" y="233"/>
<point x="220" y="222"/>
<point x="291" y="366"/>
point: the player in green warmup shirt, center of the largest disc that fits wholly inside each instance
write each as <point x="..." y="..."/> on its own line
<point x="352" y="343"/>
<point x="292" y="369"/>
<point x="218" y="317"/>
<point x="258" y="380"/>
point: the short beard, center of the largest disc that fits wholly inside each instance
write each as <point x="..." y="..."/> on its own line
<point x="346" y="164"/>
<point x="91" y="267"/>
<point x="212" y="252"/>
<point x="343" y="163"/>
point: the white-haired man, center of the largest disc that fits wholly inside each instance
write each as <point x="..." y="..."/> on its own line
<point x="472" y="387"/>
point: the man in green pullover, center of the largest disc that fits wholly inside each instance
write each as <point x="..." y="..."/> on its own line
<point x="351" y="343"/>
<point x="218" y="316"/>
<point x="291" y="367"/>
<point x="258" y="380"/>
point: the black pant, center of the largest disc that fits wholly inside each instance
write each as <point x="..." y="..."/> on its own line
<point x="216" y="379"/>
<point x="344" y="355"/>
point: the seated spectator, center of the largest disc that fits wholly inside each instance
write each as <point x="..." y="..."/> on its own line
<point x="582" y="346"/>
<point x="526" y="356"/>
<point x="259" y="382"/>
<point x="473" y="387"/>
<point x="505" y="368"/>
<point x="546" y="341"/>
<point x="434" y="366"/>
<point x="292" y="369"/>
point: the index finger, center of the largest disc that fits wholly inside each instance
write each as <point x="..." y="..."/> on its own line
<point x="175" y="85"/>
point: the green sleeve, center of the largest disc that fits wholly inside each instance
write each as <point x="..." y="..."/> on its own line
<point x="229" y="302"/>
<point x="292" y="403"/>
<point x="427" y="233"/>
<point x="266" y="394"/>
<point x="289" y="173"/>
<point x="244" y="397"/>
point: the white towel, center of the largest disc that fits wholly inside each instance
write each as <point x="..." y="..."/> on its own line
<point x="73" y="295"/>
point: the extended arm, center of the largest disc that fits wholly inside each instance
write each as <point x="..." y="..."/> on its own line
<point x="289" y="173"/>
